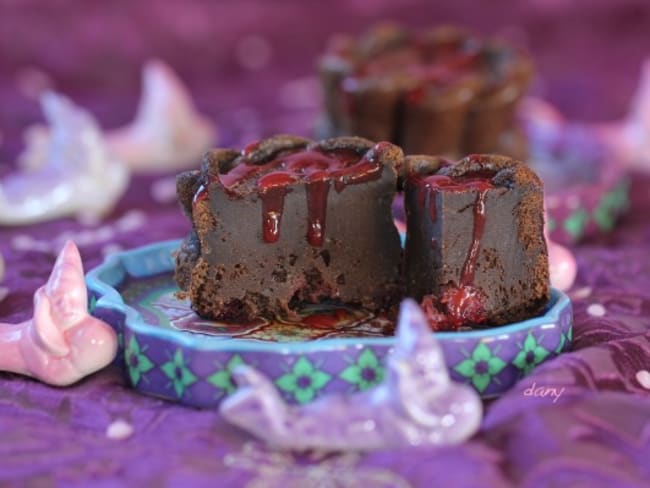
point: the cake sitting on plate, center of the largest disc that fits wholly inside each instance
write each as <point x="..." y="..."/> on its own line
<point x="475" y="247"/>
<point x="442" y="91"/>
<point x="288" y="222"/>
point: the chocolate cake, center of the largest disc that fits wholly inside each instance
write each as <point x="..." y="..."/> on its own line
<point x="438" y="92"/>
<point x="475" y="251"/>
<point x="289" y="221"/>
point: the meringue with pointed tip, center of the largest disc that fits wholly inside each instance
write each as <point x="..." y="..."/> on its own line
<point x="36" y="139"/>
<point x="627" y="139"/>
<point x="62" y="343"/>
<point x="167" y="133"/>
<point x="77" y="175"/>
<point x="417" y="404"/>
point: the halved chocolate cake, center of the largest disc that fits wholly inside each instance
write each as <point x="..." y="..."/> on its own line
<point x="289" y="221"/>
<point x="475" y="250"/>
<point x="443" y="91"/>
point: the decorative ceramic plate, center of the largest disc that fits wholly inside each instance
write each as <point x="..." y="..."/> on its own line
<point x="586" y="188"/>
<point x="168" y="351"/>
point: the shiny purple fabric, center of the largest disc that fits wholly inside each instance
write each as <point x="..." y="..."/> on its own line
<point x="597" y="433"/>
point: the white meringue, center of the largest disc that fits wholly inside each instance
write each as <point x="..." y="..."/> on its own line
<point x="70" y="170"/>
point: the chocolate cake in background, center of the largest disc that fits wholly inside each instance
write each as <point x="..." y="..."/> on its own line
<point x="443" y="91"/>
<point x="289" y="221"/>
<point x="475" y="251"/>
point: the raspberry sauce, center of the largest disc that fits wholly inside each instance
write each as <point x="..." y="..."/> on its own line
<point x="316" y="169"/>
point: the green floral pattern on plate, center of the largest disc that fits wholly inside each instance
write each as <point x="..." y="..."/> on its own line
<point x="180" y="375"/>
<point x="137" y="361"/>
<point x="222" y="379"/>
<point x="561" y="344"/>
<point x="530" y="355"/>
<point x="564" y="340"/>
<point x="365" y="372"/>
<point x="304" y="380"/>
<point x="480" y="367"/>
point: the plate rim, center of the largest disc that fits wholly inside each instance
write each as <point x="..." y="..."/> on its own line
<point x="110" y="298"/>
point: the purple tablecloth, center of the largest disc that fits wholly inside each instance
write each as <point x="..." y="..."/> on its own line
<point x="597" y="433"/>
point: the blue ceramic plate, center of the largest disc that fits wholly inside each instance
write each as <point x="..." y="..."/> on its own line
<point x="168" y="351"/>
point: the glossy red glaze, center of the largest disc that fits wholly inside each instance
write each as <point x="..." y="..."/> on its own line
<point x="469" y="268"/>
<point x="272" y="206"/>
<point x="316" y="169"/>
<point x="239" y="173"/>
<point x="301" y="165"/>
<point x="316" y="206"/>
<point x="458" y="306"/>
<point x="428" y="186"/>
<point x="464" y="305"/>
<point x="272" y="180"/>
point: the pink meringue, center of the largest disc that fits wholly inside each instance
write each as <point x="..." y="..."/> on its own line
<point x="62" y="343"/>
<point x="167" y="133"/>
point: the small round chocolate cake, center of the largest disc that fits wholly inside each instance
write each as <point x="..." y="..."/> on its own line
<point x="475" y="249"/>
<point x="442" y="91"/>
<point x="288" y="221"/>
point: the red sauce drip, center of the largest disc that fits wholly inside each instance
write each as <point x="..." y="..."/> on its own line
<point x="316" y="206"/>
<point x="461" y="304"/>
<point x="314" y="168"/>
<point x="272" y="207"/>
<point x="469" y="268"/>
<point x="273" y="188"/>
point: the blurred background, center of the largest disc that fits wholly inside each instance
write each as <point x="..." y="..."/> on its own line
<point x="250" y="65"/>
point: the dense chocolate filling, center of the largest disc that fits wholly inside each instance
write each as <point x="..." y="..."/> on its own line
<point x="314" y="168"/>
